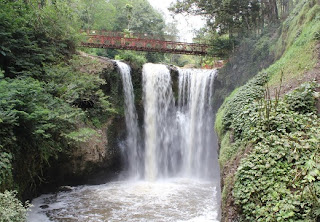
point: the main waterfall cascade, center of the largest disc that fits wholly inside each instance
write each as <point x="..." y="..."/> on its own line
<point x="178" y="139"/>
<point x="172" y="162"/>
<point x="160" y="158"/>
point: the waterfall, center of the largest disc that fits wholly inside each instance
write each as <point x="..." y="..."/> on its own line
<point x="195" y="122"/>
<point x="133" y="150"/>
<point x="158" y="118"/>
<point x="178" y="132"/>
<point x="179" y="140"/>
<point x="178" y="146"/>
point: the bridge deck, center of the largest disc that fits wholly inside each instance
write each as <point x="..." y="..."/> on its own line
<point x="111" y="40"/>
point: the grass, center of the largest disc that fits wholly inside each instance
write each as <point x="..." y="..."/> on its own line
<point x="298" y="41"/>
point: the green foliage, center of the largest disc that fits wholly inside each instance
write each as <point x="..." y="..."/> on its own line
<point x="31" y="36"/>
<point x="252" y="55"/>
<point x="11" y="209"/>
<point x="48" y="98"/>
<point x="229" y="16"/>
<point x="222" y="46"/>
<point x="39" y="119"/>
<point x="288" y="51"/>
<point x="32" y="123"/>
<point x="98" y="14"/>
<point x="77" y="88"/>
<point x="134" y="58"/>
<point x="227" y="150"/>
<point x="227" y="187"/>
<point x="218" y="123"/>
<point x="143" y="18"/>
<point x="1" y="74"/>
<point x="81" y="135"/>
<point x="297" y="43"/>
<point x="233" y="117"/>
<point x="5" y="169"/>
<point x="303" y="100"/>
<point x="279" y="179"/>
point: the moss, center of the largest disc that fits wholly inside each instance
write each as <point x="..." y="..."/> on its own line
<point x="227" y="150"/>
<point x="218" y="123"/>
<point x="227" y="187"/>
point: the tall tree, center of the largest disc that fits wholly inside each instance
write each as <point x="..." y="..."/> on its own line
<point x="236" y="16"/>
<point x="143" y="18"/>
<point x="96" y="14"/>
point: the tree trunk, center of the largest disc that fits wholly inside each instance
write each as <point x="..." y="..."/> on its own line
<point x="274" y="10"/>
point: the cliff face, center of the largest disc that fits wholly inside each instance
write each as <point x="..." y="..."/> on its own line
<point x="96" y="159"/>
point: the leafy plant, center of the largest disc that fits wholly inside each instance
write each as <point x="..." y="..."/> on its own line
<point x="81" y="135"/>
<point x="303" y="100"/>
<point x="279" y="179"/>
<point x="31" y="36"/>
<point x="234" y="117"/>
<point x="11" y="209"/>
<point x="6" y="179"/>
<point x="134" y="58"/>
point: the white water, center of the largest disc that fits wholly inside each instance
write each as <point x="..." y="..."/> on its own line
<point x="160" y="159"/>
<point x="132" y="148"/>
<point x="195" y="123"/>
<point x="179" y="140"/>
<point x="140" y="201"/>
<point x="178" y="159"/>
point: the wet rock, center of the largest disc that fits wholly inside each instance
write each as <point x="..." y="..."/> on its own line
<point x="65" y="188"/>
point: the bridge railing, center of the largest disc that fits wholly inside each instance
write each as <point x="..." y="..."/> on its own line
<point x="140" y="42"/>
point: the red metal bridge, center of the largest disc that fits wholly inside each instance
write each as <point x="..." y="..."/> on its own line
<point x="140" y="42"/>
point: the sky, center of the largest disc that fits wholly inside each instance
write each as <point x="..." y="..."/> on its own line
<point x="186" y="24"/>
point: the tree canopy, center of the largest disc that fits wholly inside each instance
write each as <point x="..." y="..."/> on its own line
<point x="234" y="16"/>
<point x="228" y="21"/>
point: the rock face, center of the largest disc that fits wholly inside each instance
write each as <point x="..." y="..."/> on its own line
<point x="97" y="160"/>
<point x="95" y="154"/>
<point x="93" y="162"/>
<point x="93" y="151"/>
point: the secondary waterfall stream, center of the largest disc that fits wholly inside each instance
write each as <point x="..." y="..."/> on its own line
<point x="132" y="150"/>
<point x="173" y="173"/>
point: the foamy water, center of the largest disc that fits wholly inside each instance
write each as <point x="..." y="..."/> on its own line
<point x="170" y="200"/>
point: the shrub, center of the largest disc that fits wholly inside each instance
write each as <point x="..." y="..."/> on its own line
<point x="134" y="58"/>
<point x="303" y="99"/>
<point x="11" y="209"/>
<point x="279" y="179"/>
